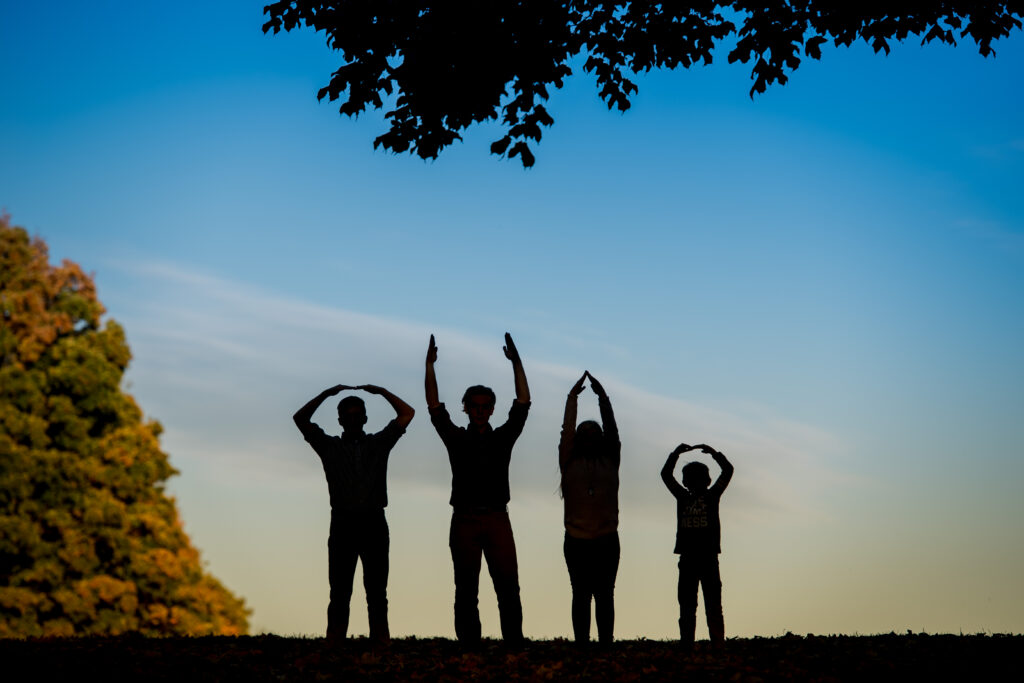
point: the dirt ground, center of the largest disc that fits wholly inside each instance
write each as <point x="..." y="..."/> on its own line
<point x="907" y="657"/>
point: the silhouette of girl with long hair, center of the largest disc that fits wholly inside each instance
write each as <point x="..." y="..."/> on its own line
<point x="588" y="457"/>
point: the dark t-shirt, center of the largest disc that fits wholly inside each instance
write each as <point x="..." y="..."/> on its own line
<point x="479" y="460"/>
<point x="698" y="528"/>
<point x="356" y="467"/>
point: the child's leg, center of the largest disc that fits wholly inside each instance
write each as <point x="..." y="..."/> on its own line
<point x="711" y="581"/>
<point x="688" y="578"/>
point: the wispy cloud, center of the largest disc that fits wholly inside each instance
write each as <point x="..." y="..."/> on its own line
<point x="1000" y="235"/>
<point x="226" y="364"/>
<point x="999" y="151"/>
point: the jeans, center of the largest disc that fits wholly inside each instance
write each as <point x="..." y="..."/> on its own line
<point x="488" y="534"/>
<point x="693" y="570"/>
<point x="362" y="536"/>
<point x="593" y="564"/>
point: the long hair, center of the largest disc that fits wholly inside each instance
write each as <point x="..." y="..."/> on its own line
<point x="590" y="447"/>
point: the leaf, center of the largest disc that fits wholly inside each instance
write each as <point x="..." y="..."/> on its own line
<point x="523" y="151"/>
<point x="813" y="47"/>
<point x="499" y="146"/>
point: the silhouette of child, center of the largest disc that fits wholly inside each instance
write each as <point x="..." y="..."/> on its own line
<point x="698" y="540"/>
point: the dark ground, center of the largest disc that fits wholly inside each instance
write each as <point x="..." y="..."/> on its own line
<point x="910" y="657"/>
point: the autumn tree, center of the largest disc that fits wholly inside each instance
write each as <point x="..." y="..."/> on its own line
<point x="440" y="67"/>
<point x="89" y="541"/>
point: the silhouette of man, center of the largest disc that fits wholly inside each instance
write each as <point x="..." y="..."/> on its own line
<point x="479" y="456"/>
<point x="698" y="540"/>
<point x="356" y="466"/>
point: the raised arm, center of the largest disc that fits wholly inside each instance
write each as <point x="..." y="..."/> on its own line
<point x="569" y="423"/>
<point x="670" y="465"/>
<point x="512" y="353"/>
<point x="726" y="476"/>
<point x="403" y="411"/>
<point x="304" y="415"/>
<point x="611" y="430"/>
<point x="430" y="382"/>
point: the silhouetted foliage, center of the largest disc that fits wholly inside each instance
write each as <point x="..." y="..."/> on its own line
<point x="89" y="541"/>
<point x="452" y="64"/>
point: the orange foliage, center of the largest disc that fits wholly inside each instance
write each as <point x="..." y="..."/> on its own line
<point x="89" y="542"/>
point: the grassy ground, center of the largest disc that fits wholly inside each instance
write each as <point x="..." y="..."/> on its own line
<point x="911" y="657"/>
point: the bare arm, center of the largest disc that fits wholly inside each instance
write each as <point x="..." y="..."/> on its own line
<point x="569" y="422"/>
<point x="512" y="353"/>
<point x="403" y="411"/>
<point x="670" y="465"/>
<point x="430" y="382"/>
<point x="304" y="415"/>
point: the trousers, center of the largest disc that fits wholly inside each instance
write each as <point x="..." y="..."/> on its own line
<point x="702" y="569"/>
<point x="358" y="536"/>
<point x="593" y="564"/>
<point x="487" y="534"/>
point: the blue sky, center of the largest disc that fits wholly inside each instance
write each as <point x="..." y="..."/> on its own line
<point x="824" y="282"/>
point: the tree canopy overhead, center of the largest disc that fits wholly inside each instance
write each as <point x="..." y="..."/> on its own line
<point x="441" y="67"/>
<point x="89" y="541"/>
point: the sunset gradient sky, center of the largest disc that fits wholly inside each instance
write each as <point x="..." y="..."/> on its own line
<point x="825" y="283"/>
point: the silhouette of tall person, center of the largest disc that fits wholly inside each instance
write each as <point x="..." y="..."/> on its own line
<point x="588" y="458"/>
<point x="479" y="456"/>
<point x="698" y="540"/>
<point x="356" y="468"/>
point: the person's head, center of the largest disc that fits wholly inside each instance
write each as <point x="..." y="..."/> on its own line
<point x="351" y="413"/>
<point x="696" y="476"/>
<point x="588" y="439"/>
<point x="478" y="403"/>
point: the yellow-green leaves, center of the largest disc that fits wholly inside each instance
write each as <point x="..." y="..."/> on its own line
<point x="89" y="543"/>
